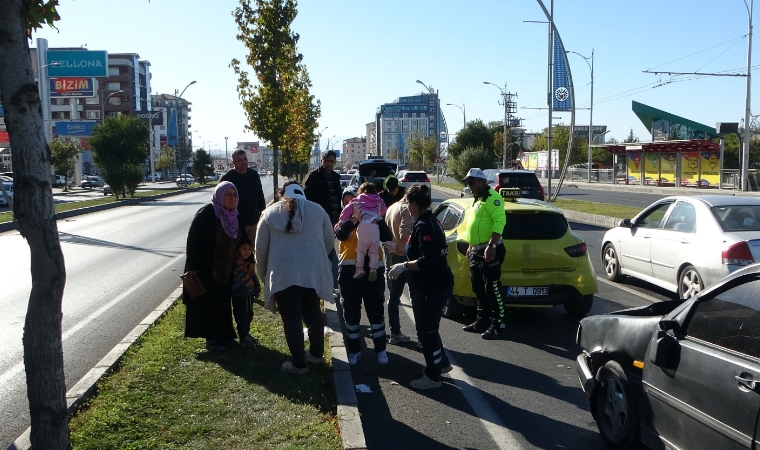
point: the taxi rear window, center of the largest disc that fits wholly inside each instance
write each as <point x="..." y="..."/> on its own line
<point x="534" y="226"/>
<point x="518" y="180"/>
<point x="410" y="176"/>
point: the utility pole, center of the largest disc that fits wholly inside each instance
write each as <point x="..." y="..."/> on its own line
<point x="510" y="108"/>
<point x="226" y="155"/>
<point x="745" y="154"/>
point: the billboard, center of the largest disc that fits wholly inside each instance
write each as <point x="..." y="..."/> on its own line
<point x="77" y="63"/>
<point x="72" y="87"/>
<point x="74" y="128"/>
<point x="155" y="117"/>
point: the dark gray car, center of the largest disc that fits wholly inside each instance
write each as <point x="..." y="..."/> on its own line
<point x="681" y="374"/>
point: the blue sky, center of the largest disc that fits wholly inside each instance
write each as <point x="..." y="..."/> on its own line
<point x="361" y="54"/>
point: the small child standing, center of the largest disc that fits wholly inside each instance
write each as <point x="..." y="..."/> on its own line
<point x="244" y="288"/>
<point x="367" y="231"/>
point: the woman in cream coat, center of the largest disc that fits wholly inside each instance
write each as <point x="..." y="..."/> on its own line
<point x="293" y="239"/>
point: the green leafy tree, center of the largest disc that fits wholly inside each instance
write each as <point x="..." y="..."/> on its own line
<point x="33" y="209"/>
<point x="560" y="139"/>
<point x="133" y="176"/>
<point x="116" y="144"/>
<point x="265" y="30"/>
<point x="165" y="159"/>
<point x="475" y="134"/>
<point x="631" y="137"/>
<point x="202" y="165"/>
<point x="480" y="157"/>
<point x="393" y="153"/>
<point x="304" y="110"/>
<point x="422" y="152"/>
<point x="62" y="157"/>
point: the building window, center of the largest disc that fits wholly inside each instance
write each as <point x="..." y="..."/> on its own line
<point x="93" y="114"/>
<point x="114" y="100"/>
<point x="113" y="86"/>
<point x="406" y="114"/>
<point x="414" y="125"/>
<point x="92" y="100"/>
<point x="422" y="124"/>
<point x="113" y="71"/>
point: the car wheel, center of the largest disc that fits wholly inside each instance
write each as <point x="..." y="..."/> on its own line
<point x="453" y="309"/>
<point x="580" y="306"/>
<point x="611" y="263"/>
<point x="689" y="283"/>
<point x="616" y="414"/>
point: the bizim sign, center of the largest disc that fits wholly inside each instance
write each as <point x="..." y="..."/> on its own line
<point x="77" y="63"/>
<point x="73" y="128"/>
<point x="72" y="87"/>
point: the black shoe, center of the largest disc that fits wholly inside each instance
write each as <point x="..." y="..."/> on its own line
<point x="494" y="332"/>
<point x="475" y="327"/>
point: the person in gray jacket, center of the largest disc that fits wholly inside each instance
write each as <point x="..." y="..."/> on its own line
<point x="291" y="258"/>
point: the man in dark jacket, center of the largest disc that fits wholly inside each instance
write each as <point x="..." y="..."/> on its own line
<point x="250" y="193"/>
<point x="391" y="192"/>
<point x="322" y="186"/>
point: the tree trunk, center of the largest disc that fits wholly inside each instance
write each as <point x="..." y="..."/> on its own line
<point x="33" y="208"/>
<point x="275" y="171"/>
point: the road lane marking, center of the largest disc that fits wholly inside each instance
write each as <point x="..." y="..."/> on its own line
<point x="501" y="435"/>
<point x="630" y="291"/>
<point x="16" y="369"/>
<point x="103" y="234"/>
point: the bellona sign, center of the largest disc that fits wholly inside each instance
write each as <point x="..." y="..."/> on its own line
<point x="77" y="63"/>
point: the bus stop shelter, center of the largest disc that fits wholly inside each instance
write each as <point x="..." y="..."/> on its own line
<point x="650" y="157"/>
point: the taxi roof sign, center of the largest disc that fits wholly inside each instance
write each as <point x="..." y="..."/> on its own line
<point x="510" y="194"/>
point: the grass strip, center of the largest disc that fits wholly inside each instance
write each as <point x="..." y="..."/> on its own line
<point x="603" y="209"/>
<point x="170" y="393"/>
<point x="455" y="186"/>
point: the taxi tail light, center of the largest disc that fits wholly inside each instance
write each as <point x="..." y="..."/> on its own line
<point x="738" y="255"/>
<point x="543" y="193"/>
<point x="576" y="251"/>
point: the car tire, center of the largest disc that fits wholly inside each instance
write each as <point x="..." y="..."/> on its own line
<point x="689" y="283"/>
<point x="453" y="309"/>
<point x="580" y="306"/>
<point x="611" y="263"/>
<point x="615" y="408"/>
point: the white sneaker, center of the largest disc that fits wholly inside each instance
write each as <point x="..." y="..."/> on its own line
<point x="382" y="357"/>
<point x="313" y="359"/>
<point x="425" y="383"/>
<point x="398" y="338"/>
<point x="288" y="367"/>
<point x="354" y="358"/>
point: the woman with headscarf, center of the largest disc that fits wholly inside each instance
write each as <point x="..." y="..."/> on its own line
<point x="211" y="252"/>
<point x="293" y="239"/>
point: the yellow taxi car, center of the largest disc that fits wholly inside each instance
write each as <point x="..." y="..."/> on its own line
<point x="545" y="264"/>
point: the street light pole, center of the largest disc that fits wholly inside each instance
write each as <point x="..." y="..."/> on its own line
<point x="437" y="121"/>
<point x="226" y="155"/>
<point x="464" y="115"/>
<point x="504" y="136"/>
<point x="591" y="111"/>
<point x="745" y="155"/>
<point x="179" y="140"/>
<point x="103" y="105"/>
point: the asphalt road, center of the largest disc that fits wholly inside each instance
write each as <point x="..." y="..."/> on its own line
<point x="120" y="264"/>
<point x="518" y="393"/>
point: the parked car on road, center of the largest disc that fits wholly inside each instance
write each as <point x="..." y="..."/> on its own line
<point x="525" y="180"/>
<point x="685" y="243"/>
<point x="8" y="185"/>
<point x="374" y="171"/>
<point x="91" y="181"/>
<point x="184" y="180"/>
<point x="557" y="270"/>
<point x="345" y="179"/>
<point x="680" y="374"/>
<point x="407" y="178"/>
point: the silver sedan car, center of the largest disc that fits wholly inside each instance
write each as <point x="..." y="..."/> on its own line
<point x="685" y="243"/>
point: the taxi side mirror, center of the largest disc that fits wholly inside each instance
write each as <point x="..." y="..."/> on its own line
<point x="625" y="223"/>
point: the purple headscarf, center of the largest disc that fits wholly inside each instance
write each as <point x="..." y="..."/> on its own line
<point x="228" y="218"/>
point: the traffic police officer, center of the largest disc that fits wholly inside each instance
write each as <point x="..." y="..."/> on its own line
<point x="485" y="224"/>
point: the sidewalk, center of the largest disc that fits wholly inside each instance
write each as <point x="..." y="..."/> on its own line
<point x="648" y="189"/>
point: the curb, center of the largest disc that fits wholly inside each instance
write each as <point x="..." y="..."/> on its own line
<point x="349" y="421"/>
<point x="87" y="386"/>
<point x="13" y="225"/>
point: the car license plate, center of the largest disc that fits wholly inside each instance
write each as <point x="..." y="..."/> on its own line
<point x="527" y="291"/>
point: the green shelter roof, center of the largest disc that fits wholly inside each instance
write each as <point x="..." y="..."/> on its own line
<point x="648" y="115"/>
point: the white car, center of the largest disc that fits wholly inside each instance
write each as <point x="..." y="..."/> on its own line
<point x="685" y="243"/>
<point x="407" y="178"/>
